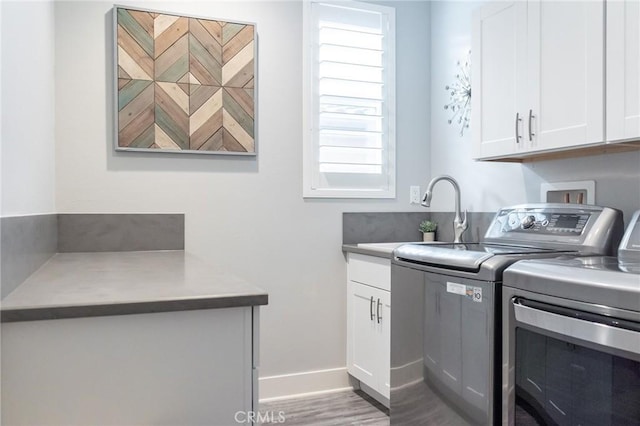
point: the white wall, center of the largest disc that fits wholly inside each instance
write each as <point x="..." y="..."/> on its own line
<point x="27" y="55"/>
<point x="245" y="215"/>
<point x="488" y="186"/>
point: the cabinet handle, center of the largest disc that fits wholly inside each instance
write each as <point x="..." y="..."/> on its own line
<point x="378" y="311"/>
<point x="531" y="134"/>
<point x="518" y="120"/>
<point x="371" y="308"/>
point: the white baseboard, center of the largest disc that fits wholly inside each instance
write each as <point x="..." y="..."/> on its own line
<point x="307" y="383"/>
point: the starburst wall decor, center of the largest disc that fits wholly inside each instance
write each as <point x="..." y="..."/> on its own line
<point x="460" y="96"/>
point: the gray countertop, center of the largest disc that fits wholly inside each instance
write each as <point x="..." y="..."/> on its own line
<point x="74" y="285"/>
<point x="353" y="248"/>
<point x="372" y="249"/>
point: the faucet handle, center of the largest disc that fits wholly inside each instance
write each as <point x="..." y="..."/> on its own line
<point x="465" y="225"/>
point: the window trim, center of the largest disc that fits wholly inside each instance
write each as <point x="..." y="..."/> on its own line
<point x="309" y="150"/>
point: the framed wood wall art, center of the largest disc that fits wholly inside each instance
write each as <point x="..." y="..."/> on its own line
<point x="184" y="84"/>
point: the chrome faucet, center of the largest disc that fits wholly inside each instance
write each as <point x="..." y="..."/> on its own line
<point x="459" y="226"/>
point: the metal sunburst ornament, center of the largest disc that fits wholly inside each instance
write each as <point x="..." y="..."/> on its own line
<point x="460" y="96"/>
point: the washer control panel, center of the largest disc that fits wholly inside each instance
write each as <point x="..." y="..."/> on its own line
<point x="545" y="220"/>
<point x="547" y="223"/>
<point x="558" y="225"/>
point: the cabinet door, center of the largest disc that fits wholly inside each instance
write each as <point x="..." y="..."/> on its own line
<point x="362" y="333"/>
<point x="384" y="339"/>
<point x="184" y="367"/>
<point x="565" y="74"/>
<point x="623" y="70"/>
<point x="369" y="322"/>
<point x="498" y="73"/>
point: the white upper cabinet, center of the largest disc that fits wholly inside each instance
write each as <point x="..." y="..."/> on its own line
<point x="499" y="65"/>
<point x="538" y="77"/>
<point x="565" y="74"/>
<point x="623" y="70"/>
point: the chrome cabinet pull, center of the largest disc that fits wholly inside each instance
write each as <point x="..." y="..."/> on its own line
<point x="378" y="311"/>
<point x="371" y="308"/>
<point x="531" y="134"/>
<point x="518" y="120"/>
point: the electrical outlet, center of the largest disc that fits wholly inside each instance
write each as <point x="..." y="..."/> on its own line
<point x="414" y="194"/>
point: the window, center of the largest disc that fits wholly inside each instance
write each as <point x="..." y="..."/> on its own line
<point x="349" y="100"/>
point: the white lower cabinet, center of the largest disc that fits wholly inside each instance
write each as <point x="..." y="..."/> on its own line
<point x="368" y="323"/>
<point x="165" y="368"/>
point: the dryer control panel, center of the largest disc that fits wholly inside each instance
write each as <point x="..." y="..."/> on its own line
<point x="629" y="250"/>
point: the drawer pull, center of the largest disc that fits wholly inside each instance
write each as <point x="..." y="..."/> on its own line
<point x="531" y="117"/>
<point x="371" y="308"/>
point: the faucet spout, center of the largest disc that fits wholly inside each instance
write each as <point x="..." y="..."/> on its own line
<point x="426" y="200"/>
<point x="460" y="225"/>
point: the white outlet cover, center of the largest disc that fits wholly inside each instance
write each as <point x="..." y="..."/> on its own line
<point x="586" y="185"/>
<point x="414" y="194"/>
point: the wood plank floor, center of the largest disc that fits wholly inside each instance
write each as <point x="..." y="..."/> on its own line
<point x="335" y="409"/>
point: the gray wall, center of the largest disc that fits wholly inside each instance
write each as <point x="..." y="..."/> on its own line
<point x="26" y="243"/>
<point x="382" y="227"/>
<point x="379" y="227"/>
<point x="120" y="232"/>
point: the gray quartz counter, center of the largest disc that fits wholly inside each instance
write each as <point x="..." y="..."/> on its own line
<point x="355" y="248"/>
<point x="373" y="249"/>
<point x="74" y="285"/>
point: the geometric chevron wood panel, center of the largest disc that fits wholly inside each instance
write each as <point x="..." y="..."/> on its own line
<point x="184" y="84"/>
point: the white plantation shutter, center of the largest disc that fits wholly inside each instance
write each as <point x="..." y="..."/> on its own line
<point x="350" y="102"/>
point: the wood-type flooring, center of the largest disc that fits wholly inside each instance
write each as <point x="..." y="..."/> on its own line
<point x="349" y="408"/>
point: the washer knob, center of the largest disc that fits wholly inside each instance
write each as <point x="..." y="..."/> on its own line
<point x="528" y="221"/>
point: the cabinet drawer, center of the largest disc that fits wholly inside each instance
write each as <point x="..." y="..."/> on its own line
<point x="370" y="270"/>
